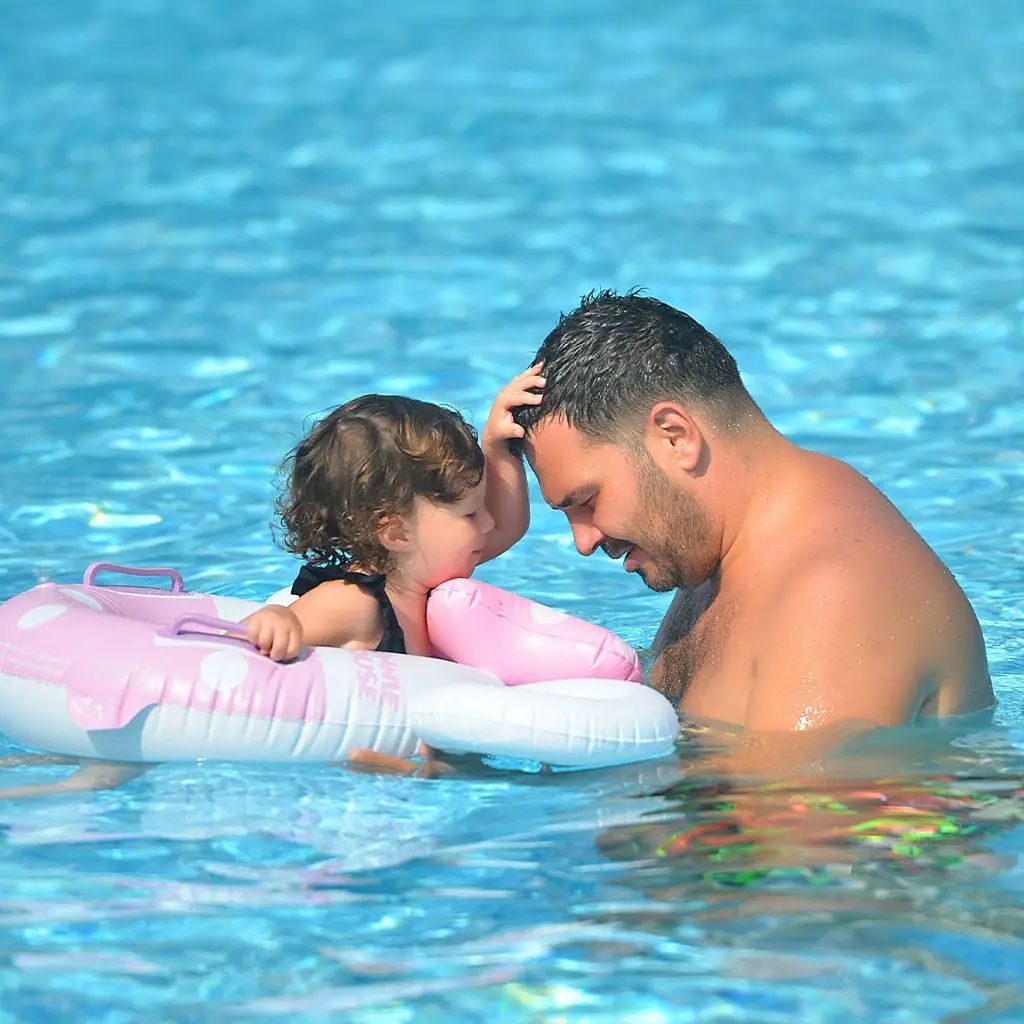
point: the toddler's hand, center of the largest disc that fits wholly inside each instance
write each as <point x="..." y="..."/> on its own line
<point x="274" y="631"/>
<point x="500" y="425"/>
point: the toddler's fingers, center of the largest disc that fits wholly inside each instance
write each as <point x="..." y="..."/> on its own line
<point x="508" y="428"/>
<point x="265" y="639"/>
<point x="278" y="646"/>
<point x="527" y="398"/>
<point x="527" y="377"/>
<point x="269" y="638"/>
<point x="289" y="643"/>
<point x="253" y="630"/>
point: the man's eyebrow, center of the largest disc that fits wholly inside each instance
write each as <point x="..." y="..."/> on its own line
<point x="575" y="498"/>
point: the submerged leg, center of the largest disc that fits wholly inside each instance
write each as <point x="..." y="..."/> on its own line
<point x="16" y="760"/>
<point x="89" y="777"/>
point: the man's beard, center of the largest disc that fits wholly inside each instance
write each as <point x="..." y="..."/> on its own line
<point x="674" y="531"/>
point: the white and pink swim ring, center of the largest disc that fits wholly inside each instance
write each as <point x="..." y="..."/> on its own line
<point x="143" y="674"/>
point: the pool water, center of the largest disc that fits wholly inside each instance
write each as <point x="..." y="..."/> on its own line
<point x="218" y="219"/>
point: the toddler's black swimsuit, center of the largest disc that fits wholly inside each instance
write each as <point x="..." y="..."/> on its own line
<point x="310" y="576"/>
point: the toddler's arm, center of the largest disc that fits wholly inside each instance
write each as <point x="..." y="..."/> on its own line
<point x="334" y="614"/>
<point x="507" y="496"/>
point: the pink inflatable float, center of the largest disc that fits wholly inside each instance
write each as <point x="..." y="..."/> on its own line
<point x="145" y="674"/>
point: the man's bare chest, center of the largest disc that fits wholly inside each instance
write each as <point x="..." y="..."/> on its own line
<point x="707" y="670"/>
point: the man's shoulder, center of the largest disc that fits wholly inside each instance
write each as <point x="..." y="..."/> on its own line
<point x="847" y="528"/>
<point x="828" y="649"/>
<point x="829" y="582"/>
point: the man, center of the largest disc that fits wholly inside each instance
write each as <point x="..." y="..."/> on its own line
<point x="803" y="598"/>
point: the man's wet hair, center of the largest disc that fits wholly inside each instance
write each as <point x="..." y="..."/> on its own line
<point x="615" y="355"/>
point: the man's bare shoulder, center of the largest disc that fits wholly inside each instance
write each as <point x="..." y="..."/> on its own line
<point x="875" y="619"/>
<point x="835" y="493"/>
<point x="843" y="523"/>
<point x="829" y="648"/>
<point x="825" y="579"/>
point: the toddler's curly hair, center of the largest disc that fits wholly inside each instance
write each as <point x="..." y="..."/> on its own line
<point x="367" y="460"/>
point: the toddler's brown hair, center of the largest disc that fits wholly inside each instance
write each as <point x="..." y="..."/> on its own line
<point x="367" y="460"/>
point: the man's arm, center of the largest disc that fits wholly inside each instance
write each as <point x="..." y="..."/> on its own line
<point x="831" y="652"/>
<point x="831" y="668"/>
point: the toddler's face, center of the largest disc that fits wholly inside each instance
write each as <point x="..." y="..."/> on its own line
<point x="449" y="538"/>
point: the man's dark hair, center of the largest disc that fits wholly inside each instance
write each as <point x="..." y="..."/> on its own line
<point x="614" y="356"/>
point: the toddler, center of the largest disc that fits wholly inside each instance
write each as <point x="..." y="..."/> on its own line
<point x="386" y="499"/>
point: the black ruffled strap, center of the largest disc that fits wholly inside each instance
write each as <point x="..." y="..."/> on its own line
<point x="311" y="576"/>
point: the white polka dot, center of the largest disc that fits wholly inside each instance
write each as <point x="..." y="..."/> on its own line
<point x="546" y="616"/>
<point x="40" y="614"/>
<point x="85" y="599"/>
<point x="224" y="670"/>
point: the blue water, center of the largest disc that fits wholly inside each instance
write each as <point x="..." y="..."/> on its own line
<point x="217" y="219"/>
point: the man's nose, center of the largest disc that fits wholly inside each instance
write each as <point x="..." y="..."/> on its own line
<point x="586" y="537"/>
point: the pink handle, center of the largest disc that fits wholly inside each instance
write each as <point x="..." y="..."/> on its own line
<point x="177" y="629"/>
<point x="89" y="579"/>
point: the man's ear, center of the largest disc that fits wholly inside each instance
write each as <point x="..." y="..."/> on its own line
<point x="672" y="434"/>
<point x="393" y="533"/>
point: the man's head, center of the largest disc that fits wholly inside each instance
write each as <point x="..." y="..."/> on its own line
<point x="635" y="391"/>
